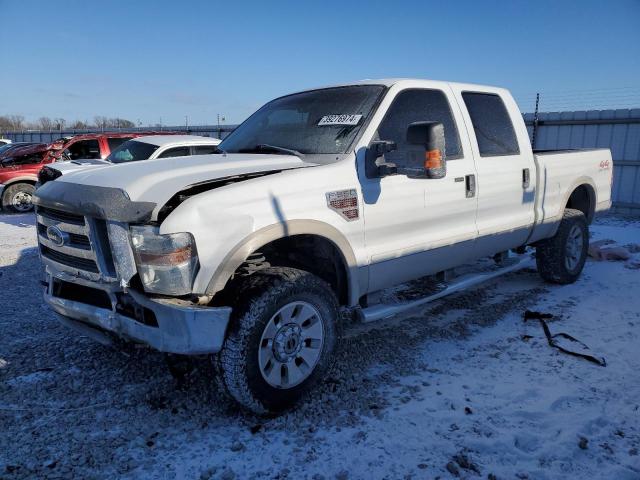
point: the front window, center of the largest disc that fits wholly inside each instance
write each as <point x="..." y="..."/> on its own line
<point x="316" y="122"/>
<point x="418" y="106"/>
<point x="132" y="151"/>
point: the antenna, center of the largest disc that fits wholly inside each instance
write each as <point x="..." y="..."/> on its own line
<point x="535" y="123"/>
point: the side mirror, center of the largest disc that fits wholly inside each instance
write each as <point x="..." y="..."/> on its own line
<point x="374" y="151"/>
<point x="428" y="160"/>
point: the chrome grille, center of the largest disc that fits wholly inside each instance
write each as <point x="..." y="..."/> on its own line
<point x="75" y="240"/>
<point x="69" y="260"/>
<point x="84" y="251"/>
<point x="61" y="216"/>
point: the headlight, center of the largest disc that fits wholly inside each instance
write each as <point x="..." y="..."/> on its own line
<point x="166" y="263"/>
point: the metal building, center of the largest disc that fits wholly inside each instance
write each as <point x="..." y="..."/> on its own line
<point x="618" y="130"/>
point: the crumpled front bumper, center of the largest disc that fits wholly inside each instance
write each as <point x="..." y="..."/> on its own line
<point x="181" y="329"/>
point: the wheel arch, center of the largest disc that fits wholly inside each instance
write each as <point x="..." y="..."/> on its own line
<point x="292" y="229"/>
<point x="582" y="196"/>
<point x="32" y="180"/>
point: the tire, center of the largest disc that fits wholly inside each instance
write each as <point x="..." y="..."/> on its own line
<point x="560" y="259"/>
<point x="281" y="339"/>
<point x="17" y="198"/>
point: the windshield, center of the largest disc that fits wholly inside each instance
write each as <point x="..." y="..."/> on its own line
<point x="316" y="122"/>
<point x="132" y="151"/>
<point x="8" y="146"/>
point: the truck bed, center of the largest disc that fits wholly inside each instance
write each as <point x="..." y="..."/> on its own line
<point x="569" y="169"/>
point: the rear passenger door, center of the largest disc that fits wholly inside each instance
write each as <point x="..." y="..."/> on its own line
<point x="506" y="171"/>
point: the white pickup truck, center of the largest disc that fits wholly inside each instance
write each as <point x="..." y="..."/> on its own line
<point x="314" y="204"/>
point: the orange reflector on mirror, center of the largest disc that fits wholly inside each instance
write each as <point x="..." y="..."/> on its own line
<point x="433" y="159"/>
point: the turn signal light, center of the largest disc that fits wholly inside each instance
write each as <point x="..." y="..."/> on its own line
<point x="433" y="159"/>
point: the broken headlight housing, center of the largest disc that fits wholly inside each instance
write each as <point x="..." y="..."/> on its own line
<point x="167" y="263"/>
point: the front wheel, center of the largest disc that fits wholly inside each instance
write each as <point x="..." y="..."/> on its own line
<point x="560" y="259"/>
<point x="18" y="198"/>
<point x="281" y="339"/>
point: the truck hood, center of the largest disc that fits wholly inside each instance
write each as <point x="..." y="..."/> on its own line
<point x="75" y="165"/>
<point x="26" y="150"/>
<point x="157" y="181"/>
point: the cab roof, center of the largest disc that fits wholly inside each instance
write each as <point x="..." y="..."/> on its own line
<point x="413" y="82"/>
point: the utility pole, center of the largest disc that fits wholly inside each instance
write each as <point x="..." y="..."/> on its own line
<point x="186" y="122"/>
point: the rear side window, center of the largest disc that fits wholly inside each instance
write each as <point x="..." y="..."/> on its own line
<point x="492" y="124"/>
<point x="175" y="152"/>
<point x="205" y="149"/>
<point x="418" y="106"/>
<point x="115" y="142"/>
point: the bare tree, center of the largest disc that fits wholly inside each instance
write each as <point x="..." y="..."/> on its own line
<point x="121" y="123"/>
<point x="12" y="122"/>
<point x="101" y="122"/>
<point x="17" y="122"/>
<point x="59" y="123"/>
<point x="44" y="123"/>
<point x="79" y="124"/>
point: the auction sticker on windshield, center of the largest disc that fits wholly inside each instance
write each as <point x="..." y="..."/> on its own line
<point x="339" y="120"/>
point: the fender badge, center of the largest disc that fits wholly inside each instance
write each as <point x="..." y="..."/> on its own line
<point x="345" y="203"/>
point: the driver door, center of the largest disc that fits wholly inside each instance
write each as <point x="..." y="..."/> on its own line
<point x="415" y="227"/>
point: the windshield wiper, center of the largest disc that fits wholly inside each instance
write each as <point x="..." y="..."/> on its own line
<point x="274" y="148"/>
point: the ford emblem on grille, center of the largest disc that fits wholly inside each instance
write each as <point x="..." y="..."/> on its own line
<point x="58" y="237"/>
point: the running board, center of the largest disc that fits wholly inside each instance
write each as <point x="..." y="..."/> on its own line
<point x="382" y="311"/>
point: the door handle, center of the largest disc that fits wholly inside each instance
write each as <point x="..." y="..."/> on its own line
<point x="525" y="178"/>
<point x="470" y="186"/>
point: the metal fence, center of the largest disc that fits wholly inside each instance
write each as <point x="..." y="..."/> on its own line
<point x="48" y="136"/>
<point x="618" y="130"/>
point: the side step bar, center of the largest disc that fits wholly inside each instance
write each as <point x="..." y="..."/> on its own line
<point x="383" y="311"/>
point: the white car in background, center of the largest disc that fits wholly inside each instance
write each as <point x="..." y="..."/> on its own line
<point x="134" y="150"/>
<point x="4" y="141"/>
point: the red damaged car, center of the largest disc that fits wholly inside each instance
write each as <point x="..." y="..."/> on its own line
<point x="19" y="166"/>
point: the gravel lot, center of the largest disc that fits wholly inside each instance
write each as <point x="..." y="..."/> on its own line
<point x="460" y="388"/>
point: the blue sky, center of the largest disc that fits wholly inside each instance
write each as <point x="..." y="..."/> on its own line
<point x="145" y="60"/>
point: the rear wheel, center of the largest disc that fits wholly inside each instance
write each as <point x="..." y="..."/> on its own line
<point x="281" y="339"/>
<point x="560" y="259"/>
<point x="18" y="198"/>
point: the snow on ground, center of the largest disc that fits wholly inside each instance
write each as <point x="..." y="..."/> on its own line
<point x="461" y="387"/>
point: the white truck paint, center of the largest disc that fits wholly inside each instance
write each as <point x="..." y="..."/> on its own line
<point x="359" y="221"/>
